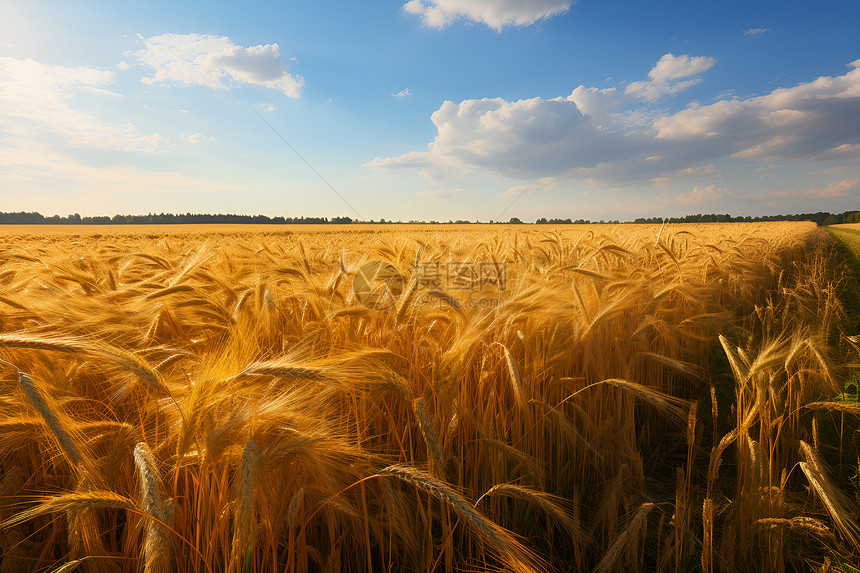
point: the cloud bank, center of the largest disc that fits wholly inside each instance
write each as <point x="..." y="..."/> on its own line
<point x="48" y="138"/>
<point x="35" y="103"/>
<point x="610" y="137"/>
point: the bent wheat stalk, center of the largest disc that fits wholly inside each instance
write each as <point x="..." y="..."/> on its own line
<point x="157" y="542"/>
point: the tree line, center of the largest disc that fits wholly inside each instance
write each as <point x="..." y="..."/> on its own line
<point x="34" y="218"/>
<point x="821" y="218"/>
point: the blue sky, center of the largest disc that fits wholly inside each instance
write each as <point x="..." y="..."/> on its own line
<point x="431" y="109"/>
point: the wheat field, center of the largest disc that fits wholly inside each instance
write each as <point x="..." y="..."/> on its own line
<point x="615" y="398"/>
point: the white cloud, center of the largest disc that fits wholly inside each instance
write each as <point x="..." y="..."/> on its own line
<point x="671" y="67"/>
<point x="494" y="13"/>
<point x="665" y="78"/>
<point x="123" y="65"/>
<point x="266" y="107"/>
<point x="595" y="103"/>
<point x="755" y="31"/>
<point x="604" y="136"/>
<point x="402" y="93"/>
<point x="215" y="62"/>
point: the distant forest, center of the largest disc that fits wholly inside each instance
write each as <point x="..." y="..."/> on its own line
<point x="34" y="218"/>
<point x="22" y="218"/>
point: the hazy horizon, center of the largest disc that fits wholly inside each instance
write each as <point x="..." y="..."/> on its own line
<point x="431" y="109"/>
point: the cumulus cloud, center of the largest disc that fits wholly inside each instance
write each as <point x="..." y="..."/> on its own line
<point x="755" y="31"/>
<point x="596" y="103"/>
<point x="518" y="139"/>
<point x="668" y="76"/>
<point x="216" y="62"/>
<point x="402" y="93"/>
<point x="494" y="13"/>
<point x="605" y="136"/>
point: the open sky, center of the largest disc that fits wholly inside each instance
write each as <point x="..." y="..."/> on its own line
<point x="431" y="109"/>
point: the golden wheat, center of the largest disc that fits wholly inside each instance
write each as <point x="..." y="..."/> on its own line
<point x="610" y="397"/>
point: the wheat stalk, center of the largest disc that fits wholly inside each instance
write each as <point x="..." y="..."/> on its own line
<point x="431" y="437"/>
<point x="549" y="503"/>
<point x="625" y="540"/>
<point x="157" y="542"/>
<point x="840" y="508"/>
<point x="46" y="410"/>
<point x="670" y="406"/>
<point x="72" y="502"/>
<point x="517" y="556"/>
